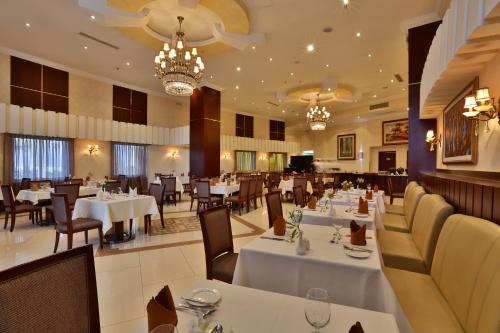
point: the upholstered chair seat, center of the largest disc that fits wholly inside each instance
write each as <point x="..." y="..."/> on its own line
<point x="223" y="267"/>
<point x="80" y="224"/>
<point x="404" y="223"/>
<point x="462" y="293"/>
<point x="414" y="251"/>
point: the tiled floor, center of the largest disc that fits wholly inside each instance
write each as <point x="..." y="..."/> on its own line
<point x="127" y="281"/>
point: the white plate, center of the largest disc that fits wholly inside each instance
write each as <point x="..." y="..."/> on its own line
<point x="357" y="254"/>
<point x="361" y="215"/>
<point x="205" y="295"/>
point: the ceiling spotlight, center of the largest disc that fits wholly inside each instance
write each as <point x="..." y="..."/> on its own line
<point x="359" y="117"/>
<point x="253" y="47"/>
<point x="261" y="81"/>
<point x="291" y="74"/>
<point x="211" y="76"/>
<point x="310" y="48"/>
<point x="329" y="89"/>
<point x="392" y="80"/>
<point x="369" y="55"/>
<point x="127" y="63"/>
<point x="237" y="87"/>
<point x="345" y="3"/>
<point x="374" y="96"/>
<point x="282" y="111"/>
<point x="92" y="17"/>
<point x="27" y="24"/>
<point x="327" y="65"/>
<point x="358" y="34"/>
<point x="85" y="47"/>
<point x="238" y="69"/>
<point x="404" y="89"/>
<point x="380" y="70"/>
<point x="270" y="59"/>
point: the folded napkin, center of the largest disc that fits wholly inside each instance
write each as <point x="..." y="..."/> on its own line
<point x="279" y="226"/>
<point x="375" y="188"/>
<point x="132" y="191"/>
<point x="100" y="195"/>
<point x="312" y="203"/>
<point x="286" y="178"/>
<point x="356" y="328"/>
<point x="363" y="206"/>
<point x="161" y="309"/>
<point x="369" y="195"/>
<point x="228" y="182"/>
<point x="358" y="234"/>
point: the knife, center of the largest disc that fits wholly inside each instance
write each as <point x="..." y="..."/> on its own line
<point x="272" y="238"/>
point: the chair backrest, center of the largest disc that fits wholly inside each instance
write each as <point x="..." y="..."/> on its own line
<point x="25" y="183"/>
<point x="253" y="187"/>
<point x="61" y="211"/>
<point x="72" y="190"/>
<point x="57" y="293"/>
<point x="430" y="215"/>
<point x="169" y="183"/>
<point x="216" y="230"/>
<point x="410" y="185"/>
<point x="298" y="195"/>
<point x="302" y="182"/>
<point x="258" y="186"/>
<point x="78" y="181"/>
<point x="192" y="183"/>
<point x="40" y="183"/>
<point x="112" y="186"/>
<point x="8" y="196"/>
<point x="320" y="188"/>
<point x="274" y="207"/>
<point x="244" y="190"/>
<point x="410" y="206"/>
<point x="466" y="269"/>
<point x="123" y="183"/>
<point x="157" y="191"/>
<point x="203" y="189"/>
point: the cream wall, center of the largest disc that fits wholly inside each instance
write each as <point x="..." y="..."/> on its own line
<point x="90" y="97"/>
<point x="488" y="143"/>
<point x="98" y="164"/>
<point x="4" y="78"/>
<point x="159" y="161"/>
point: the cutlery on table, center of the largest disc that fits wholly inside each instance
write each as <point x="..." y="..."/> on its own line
<point x="272" y="238"/>
<point x="203" y="313"/>
<point x="352" y="248"/>
<point x="193" y="300"/>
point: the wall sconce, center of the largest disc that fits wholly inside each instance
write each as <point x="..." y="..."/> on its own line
<point x="431" y="138"/>
<point x="481" y="107"/>
<point x="226" y="156"/>
<point x="173" y="153"/>
<point x="263" y="157"/>
<point x="93" y="149"/>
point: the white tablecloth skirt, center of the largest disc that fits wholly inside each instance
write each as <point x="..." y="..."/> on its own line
<point x="287" y="186"/>
<point x="35" y="196"/>
<point x="321" y="216"/>
<point x="245" y="310"/>
<point x="274" y="266"/>
<point x="122" y="208"/>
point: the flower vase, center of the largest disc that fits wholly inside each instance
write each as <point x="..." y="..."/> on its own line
<point x="300" y="248"/>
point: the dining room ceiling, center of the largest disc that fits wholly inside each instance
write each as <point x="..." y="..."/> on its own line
<point x="360" y="48"/>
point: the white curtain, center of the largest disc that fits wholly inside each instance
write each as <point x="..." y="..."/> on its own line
<point x="129" y="160"/>
<point x="40" y="158"/>
<point x="245" y="160"/>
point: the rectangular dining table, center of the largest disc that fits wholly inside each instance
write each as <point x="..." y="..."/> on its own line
<point x="273" y="265"/>
<point x="246" y="310"/>
<point x="115" y="210"/>
<point x="378" y="197"/>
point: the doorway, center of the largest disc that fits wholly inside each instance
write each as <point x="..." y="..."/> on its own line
<point x="386" y="160"/>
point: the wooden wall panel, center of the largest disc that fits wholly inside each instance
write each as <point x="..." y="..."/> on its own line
<point x="55" y="81"/>
<point x="25" y="97"/>
<point x="472" y="194"/>
<point x="25" y="74"/>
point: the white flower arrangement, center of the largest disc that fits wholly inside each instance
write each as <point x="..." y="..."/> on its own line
<point x="294" y="217"/>
<point x="360" y="180"/>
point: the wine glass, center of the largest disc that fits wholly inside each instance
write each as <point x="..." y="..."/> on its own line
<point x="317" y="308"/>
<point x="337" y="226"/>
<point x="369" y="186"/>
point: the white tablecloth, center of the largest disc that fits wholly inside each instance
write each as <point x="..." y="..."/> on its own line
<point x="183" y="179"/>
<point x="224" y="189"/>
<point x="178" y="184"/>
<point x="287" y="186"/>
<point x="274" y="266"/>
<point x="120" y="208"/>
<point x="378" y="197"/>
<point x="343" y="215"/>
<point x="244" y="310"/>
<point x="35" y="196"/>
<point x="328" y="180"/>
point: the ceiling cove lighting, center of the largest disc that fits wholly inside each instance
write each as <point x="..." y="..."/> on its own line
<point x="317" y="117"/>
<point x="179" y="69"/>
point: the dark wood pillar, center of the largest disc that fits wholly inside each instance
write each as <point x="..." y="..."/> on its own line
<point x="204" y="132"/>
<point x="419" y="157"/>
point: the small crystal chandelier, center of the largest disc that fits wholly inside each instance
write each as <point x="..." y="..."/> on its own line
<point x="179" y="69"/>
<point x="317" y="117"/>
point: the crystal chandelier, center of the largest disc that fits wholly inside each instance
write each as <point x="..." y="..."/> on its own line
<point x="179" y="69"/>
<point x="317" y="117"/>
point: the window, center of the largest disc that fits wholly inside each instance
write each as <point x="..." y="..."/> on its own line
<point x="130" y="106"/>
<point x="129" y="160"/>
<point x="245" y="160"/>
<point x="277" y="162"/>
<point x="276" y="130"/>
<point x="41" y="158"/>
<point x="38" y="86"/>
<point x="244" y="125"/>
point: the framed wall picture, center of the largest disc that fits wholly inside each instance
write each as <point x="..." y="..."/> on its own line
<point x="346" y="147"/>
<point x="459" y="138"/>
<point x="395" y="132"/>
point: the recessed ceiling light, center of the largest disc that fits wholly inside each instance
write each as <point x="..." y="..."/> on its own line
<point x="358" y="34"/>
<point x="237" y="87"/>
<point x="127" y="63"/>
<point x="369" y="55"/>
<point x="261" y="81"/>
<point x="392" y="80"/>
<point x="211" y="76"/>
<point x="253" y="47"/>
<point x="282" y="111"/>
<point x="291" y="74"/>
<point x="404" y="89"/>
<point x="310" y="48"/>
<point x="270" y="59"/>
<point x="345" y="3"/>
<point x="329" y="89"/>
<point x="407" y="108"/>
<point x="380" y="70"/>
<point x="92" y="17"/>
<point x="27" y="24"/>
<point x="359" y="117"/>
<point x="85" y="47"/>
<point x="238" y="68"/>
<point x="374" y="96"/>
<point x="327" y="65"/>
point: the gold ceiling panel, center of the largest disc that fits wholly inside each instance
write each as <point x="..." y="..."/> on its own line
<point x="297" y="93"/>
<point x="231" y="12"/>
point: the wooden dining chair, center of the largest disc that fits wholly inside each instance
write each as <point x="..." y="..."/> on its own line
<point x="112" y="186"/>
<point x="390" y="191"/>
<point x="274" y="207"/>
<point x="302" y="182"/>
<point x="57" y="293"/>
<point x="241" y="198"/>
<point x="205" y="199"/>
<point x="170" y="189"/>
<point x="66" y="225"/>
<point x="252" y="194"/>
<point x="220" y="258"/>
<point x="73" y="192"/>
<point x="158" y="192"/>
<point x="25" y="183"/>
<point x="258" y="190"/>
<point x="298" y="196"/>
<point x="12" y="210"/>
<point x="123" y="183"/>
<point x="78" y="181"/>
<point x="193" y="194"/>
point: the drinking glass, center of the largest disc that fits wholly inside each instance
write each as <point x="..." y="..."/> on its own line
<point x="317" y="308"/>
<point x="369" y="186"/>
<point x="337" y="227"/>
